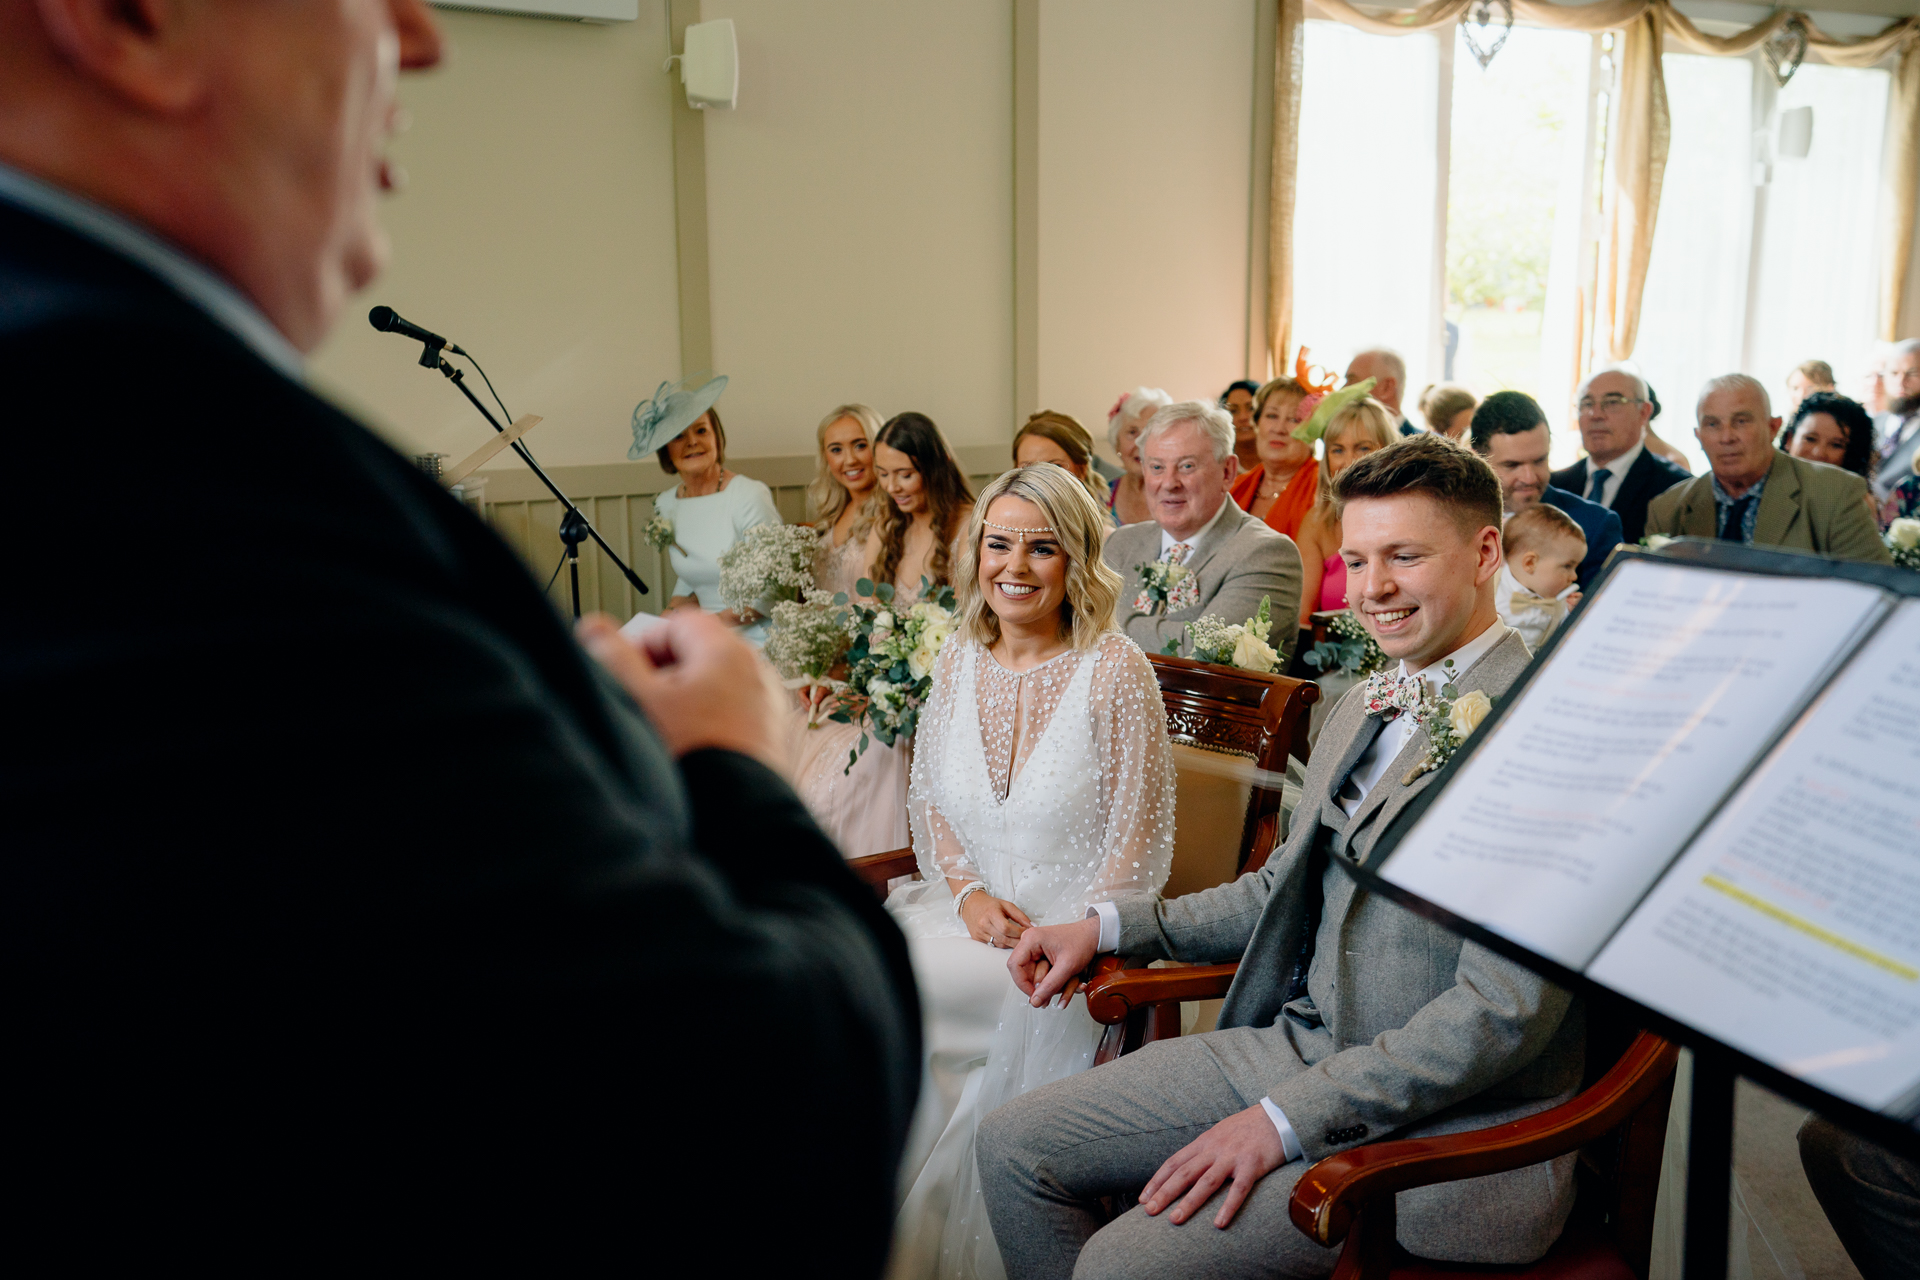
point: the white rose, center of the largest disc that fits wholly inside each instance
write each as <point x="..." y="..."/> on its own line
<point x="882" y="621"/>
<point x="1251" y="653"/>
<point x="1655" y="541"/>
<point x="1468" y="711"/>
<point x="920" y="661"/>
<point x="1904" y="533"/>
<point x="879" y="689"/>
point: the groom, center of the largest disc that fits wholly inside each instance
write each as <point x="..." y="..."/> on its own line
<point x="1351" y="1020"/>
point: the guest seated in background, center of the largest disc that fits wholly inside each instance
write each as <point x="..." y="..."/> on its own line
<point x="927" y="503"/>
<point x="1756" y="495"/>
<point x="1238" y="401"/>
<point x="709" y="508"/>
<point x="1448" y="410"/>
<point x="864" y="809"/>
<point x="1621" y="471"/>
<point x="1898" y="430"/>
<point x="1228" y="559"/>
<point x="1128" y="498"/>
<point x="1060" y="439"/>
<point x="1830" y="428"/>
<point x="1654" y="442"/>
<point x="343" y="884"/>
<point x="1042" y="782"/>
<point x="1282" y="488"/>
<point x="1352" y="1019"/>
<point x="1807" y="377"/>
<point x="1352" y="433"/>
<point x="1541" y="550"/>
<point x="1389" y="374"/>
<point x="1510" y="432"/>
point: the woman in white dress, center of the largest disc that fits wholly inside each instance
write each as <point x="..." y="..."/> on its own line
<point x="1042" y="782"/>
<point x="710" y="508"/>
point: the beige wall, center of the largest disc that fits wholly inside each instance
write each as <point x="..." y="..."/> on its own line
<point x="860" y="217"/>
<point x="536" y="230"/>
<point x="1146" y="116"/>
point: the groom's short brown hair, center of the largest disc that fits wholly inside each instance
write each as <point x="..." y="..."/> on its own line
<point x="1456" y="477"/>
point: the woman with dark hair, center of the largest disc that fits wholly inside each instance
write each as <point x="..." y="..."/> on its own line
<point x="1831" y="428"/>
<point x="1238" y="400"/>
<point x="928" y="504"/>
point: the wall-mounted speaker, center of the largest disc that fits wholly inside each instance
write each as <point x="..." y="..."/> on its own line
<point x="710" y="65"/>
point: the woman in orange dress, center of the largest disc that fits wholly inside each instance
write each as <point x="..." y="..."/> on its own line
<point x="1282" y="489"/>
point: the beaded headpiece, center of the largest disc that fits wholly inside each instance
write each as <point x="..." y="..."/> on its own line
<point x="1018" y="530"/>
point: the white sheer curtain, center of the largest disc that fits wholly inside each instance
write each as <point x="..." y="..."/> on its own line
<point x="1693" y="317"/>
<point x="1364" y="269"/>
<point x="1818" y="289"/>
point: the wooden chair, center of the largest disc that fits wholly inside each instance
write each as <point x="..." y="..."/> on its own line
<point x="1212" y="709"/>
<point x="1618" y="1123"/>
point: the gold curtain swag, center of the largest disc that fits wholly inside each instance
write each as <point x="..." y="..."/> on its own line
<point x="1639" y="136"/>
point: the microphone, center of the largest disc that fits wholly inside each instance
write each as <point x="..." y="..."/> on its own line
<point x="387" y="320"/>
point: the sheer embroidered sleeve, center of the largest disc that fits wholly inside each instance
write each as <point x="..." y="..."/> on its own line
<point x="937" y="850"/>
<point x="1135" y="763"/>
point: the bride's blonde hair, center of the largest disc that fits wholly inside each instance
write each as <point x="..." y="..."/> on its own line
<point x="1079" y="525"/>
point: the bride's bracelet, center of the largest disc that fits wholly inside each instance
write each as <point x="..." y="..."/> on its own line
<point x="966" y="893"/>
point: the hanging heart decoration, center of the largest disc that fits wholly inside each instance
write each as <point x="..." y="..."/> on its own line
<point x="1785" y="48"/>
<point x="1480" y="15"/>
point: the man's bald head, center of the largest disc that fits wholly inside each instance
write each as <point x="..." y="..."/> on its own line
<point x="248" y="135"/>
<point x="1389" y="371"/>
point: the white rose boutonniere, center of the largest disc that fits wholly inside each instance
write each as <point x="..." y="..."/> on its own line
<point x="1655" y="541"/>
<point x="1903" y="540"/>
<point x="1449" y="720"/>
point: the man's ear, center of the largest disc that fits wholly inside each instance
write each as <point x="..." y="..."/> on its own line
<point x="1233" y="469"/>
<point x="1488" y="551"/>
<point x="140" y="51"/>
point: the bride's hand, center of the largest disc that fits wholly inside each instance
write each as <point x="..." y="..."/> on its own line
<point x="993" y="921"/>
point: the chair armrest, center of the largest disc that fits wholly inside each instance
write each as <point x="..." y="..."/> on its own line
<point x="878" y="868"/>
<point x="1330" y="1194"/>
<point x="1114" y="992"/>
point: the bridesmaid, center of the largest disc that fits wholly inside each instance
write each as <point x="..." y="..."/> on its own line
<point x="927" y="504"/>
<point x="839" y="498"/>
<point x="1282" y="489"/>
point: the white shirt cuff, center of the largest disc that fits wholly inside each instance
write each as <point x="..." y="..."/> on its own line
<point x="1289" y="1144"/>
<point x="1109" y="925"/>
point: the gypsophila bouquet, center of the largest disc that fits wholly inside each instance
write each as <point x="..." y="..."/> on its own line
<point x="890" y="662"/>
<point x="659" y="532"/>
<point x="1165" y="587"/>
<point x="767" y="564"/>
<point x="1349" y="647"/>
<point x="1239" y="644"/>
<point x="1903" y="540"/>
<point x="807" y="639"/>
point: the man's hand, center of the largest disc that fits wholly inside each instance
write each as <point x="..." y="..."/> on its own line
<point x="700" y="685"/>
<point x="1048" y="959"/>
<point x="1245" y="1147"/>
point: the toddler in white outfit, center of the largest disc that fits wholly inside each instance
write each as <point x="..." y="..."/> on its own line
<point x="1543" y="549"/>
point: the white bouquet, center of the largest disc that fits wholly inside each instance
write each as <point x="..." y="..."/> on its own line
<point x="808" y="638"/>
<point x="1239" y="644"/>
<point x="767" y="564"/>
<point x="890" y="662"/>
<point x="1903" y="540"/>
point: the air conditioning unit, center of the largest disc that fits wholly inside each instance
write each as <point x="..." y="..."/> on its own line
<point x="572" y="10"/>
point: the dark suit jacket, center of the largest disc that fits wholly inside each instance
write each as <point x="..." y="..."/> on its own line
<point x="1601" y="526"/>
<point x="340" y="882"/>
<point x="1648" y="478"/>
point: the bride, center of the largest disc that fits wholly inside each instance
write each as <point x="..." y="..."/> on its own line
<point x="1042" y="781"/>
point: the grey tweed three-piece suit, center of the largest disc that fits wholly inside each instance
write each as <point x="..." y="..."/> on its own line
<point x="1402" y="1029"/>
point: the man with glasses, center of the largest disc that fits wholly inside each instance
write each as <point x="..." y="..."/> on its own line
<point x="1619" y="472"/>
<point x="1900" y="429"/>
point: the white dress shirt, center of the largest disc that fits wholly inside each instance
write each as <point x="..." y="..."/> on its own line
<point x="1616" y="472"/>
<point x="224" y="304"/>
<point x="1367" y="773"/>
<point x="1168" y="542"/>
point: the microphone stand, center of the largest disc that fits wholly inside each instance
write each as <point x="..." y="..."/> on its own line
<point x="574" y="527"/>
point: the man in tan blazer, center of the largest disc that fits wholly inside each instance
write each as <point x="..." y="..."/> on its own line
<point x="1352" y="1019"/>
<point x="1186" y="454"/>
<point x="1759" y="496"/>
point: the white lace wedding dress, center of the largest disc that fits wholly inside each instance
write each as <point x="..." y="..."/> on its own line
<point x="1055" y="788"/>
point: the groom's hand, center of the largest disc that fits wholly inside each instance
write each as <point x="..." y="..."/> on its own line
<point x="1245" y="1147"/>
<point x="1049" y="959"/>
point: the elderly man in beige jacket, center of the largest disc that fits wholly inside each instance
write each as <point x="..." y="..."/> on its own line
<point x="1759" y="496"/>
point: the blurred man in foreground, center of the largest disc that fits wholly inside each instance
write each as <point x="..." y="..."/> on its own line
<point x="348" y="895"/>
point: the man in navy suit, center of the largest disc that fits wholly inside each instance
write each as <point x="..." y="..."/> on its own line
<point x="1619" y="472"/>
<point x="1510" y="431"/>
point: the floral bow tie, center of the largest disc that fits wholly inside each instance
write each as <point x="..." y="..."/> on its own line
<point x="1389" y="693"/>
